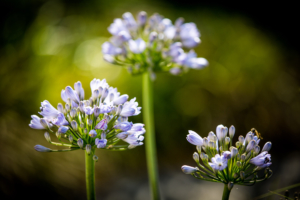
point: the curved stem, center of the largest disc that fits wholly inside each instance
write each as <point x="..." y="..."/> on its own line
<point x="150" y="145"/>
<point x="226" y="192"/>
<point x="90" y="175"/>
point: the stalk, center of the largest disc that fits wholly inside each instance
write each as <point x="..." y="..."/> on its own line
<point x="150" y="145"/>
<point x="90" y="175"/>
<point x="226" y="192"/>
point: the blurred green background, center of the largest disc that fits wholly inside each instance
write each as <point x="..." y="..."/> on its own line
<point x="252" y="81"/>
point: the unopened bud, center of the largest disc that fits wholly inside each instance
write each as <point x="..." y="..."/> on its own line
<point x="230" y="185"/>
<point x="95" y="158"/>
<point x="88" y="149"/>
<point x="256" y="149"/>
<point x="242" y="175"/>
<point x="235" y="175"/>
<point x="81" y="125"/>
<point x="267" y="146"/>
<point x="47" y="136"/>
<point x="95" y="94"/>
<point x="196" y="157"/>
<point x="241" y="139"/>
<point x="60" y="108"/>
<point x="243" y="157"/>
<point x="68" y="107"/>
<point x="237" y="144"/>
<point x="238" y="164"/>
<point x="119" y="110"/>
<point x="205" y="141"/>
<point x="44" y="123"/>
<point x="141" y="18"/>
<point x="152" y="36"/>
<point x="74" y="125"/>
<point x="85" y="131"/>
<point x="90" y="122"/>
<point x="96" y="111"/>
<point x="203" y="157"/>
<point x="71" y="138"/>
<point x="238" y="157"/>
<point x="198" y="149"/>
<point x="41" y="148"/>
<point x="104" y="93"/>
<point x="227" y="140"/>
<point x="80" y="142"/>
<point x="234" y="152"/>
<point x="58" y="135"/>
<point x="231" y="131"/>
<point x="250" y="145"/>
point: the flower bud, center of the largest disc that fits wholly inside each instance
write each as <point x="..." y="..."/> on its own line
<point x="203" y="157"/>
<point x="205" y="141"/>
<point x="122" y="135"/>
<point x="63" y="129"/>
<point x="102" y="125"/>
<point x="88" y="149"/>
<point x="196" y="157"/>
<point x="243" y="157"/>
<point x="58" y="135"/>
<point x="80" y="142"/>
<point x="227" y="154"/>
<point x="231" y="131"/>
<point x="70" y="138"/>
<point x="47" y="136"/>
<point x="96" y="111"/>
<point x="81" y="125"/>
<point x="119" y="110"/>
<point x="198" y="149"/>
<point x="234" y="152"/>
<point x="73" y="112"/>
<point x="238" y="164"/>
<point x="237" y="144"/>
<point x="104" y="93"/>
<point x="256" y="149"/>
<point x="241" y="139"/>
<point x="152" y="37"/>
<point x="95" y="158"/>
<point x="238" y="157"/>
<point x="74" y="125"/>
<point x="242" y="175"/>
<point x="121" y="99"/>
<point x="95" y="94"/>
<point x="230" y="185"/>
<point x="92" y="133"/>
<point x="267" y="146"/>
<point x="90" y="122"/>
<point x="60" y="108"/>
<point x="227" y="140"/>
<point x="188" y="170"/>
<point x="235" y="175"/>
<point x="212" y="145"/>
<point x="85" y="131"/>
<point x="141" y="18"/>
<point x="250" y="145"/>
<point x="44" y="123"/>
<point x="68" y="107"/>
<point x="41" y="148"/>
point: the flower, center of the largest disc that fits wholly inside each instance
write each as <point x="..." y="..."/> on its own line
<point x="262" y="160"/>
<point x="220" y="161"/>
<point x="99" y="122"/>
<point x="153" y="44"/>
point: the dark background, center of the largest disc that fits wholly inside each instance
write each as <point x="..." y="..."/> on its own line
<point x="252" y="81"/>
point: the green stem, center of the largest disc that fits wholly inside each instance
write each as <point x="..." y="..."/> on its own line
<point x="226" y="192"/>
<point x="90" y="175"/>
<point x="150" y="135"/>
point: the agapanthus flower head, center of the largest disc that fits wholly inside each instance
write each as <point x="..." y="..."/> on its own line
<point x="90" y="124"/>
<point x="221" y="161"/>
<point x="154" y="44"/>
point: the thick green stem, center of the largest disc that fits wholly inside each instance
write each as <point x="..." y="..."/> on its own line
<point x="150" y="135"/>
<point x="90" y="176"/>
<point x="226" y="192"/>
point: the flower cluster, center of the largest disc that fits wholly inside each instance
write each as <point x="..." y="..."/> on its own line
<point x="153" y="44"/>
<point x="223" y="162"/>
<point x="99" y="122"/>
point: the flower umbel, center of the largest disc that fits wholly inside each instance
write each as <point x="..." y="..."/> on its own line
<point x="153" y="44"/>
<point x="222" y="162"/>
<point x="90" y="124"/>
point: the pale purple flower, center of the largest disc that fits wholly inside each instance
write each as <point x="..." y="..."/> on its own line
<point x="72" y="94"/>
<point x="101" y="143"/>
<point x="221" y="132"/>
<point x="188" y="169"/>
<point x="135" y="139"/>
<point x="92" y="133"/>
<point x="60" y="120"/>
<point x="189" y="35"/>
<point x="120" y="100"/>
<point x="110" y="49"/>
<point x="130" y="108"/>
<point x="116" y="27"/>
<point x="141" y="18"/>
<point x="79" y="90"/>
<point x="102" y="125"/>
<point x="137" y="46"/>
<point x="47" y="110"/>
<point x="124" y="126"/>
<point x="218" y="162"/>
<point x="122" y="135"/>
<point x="194" y="138"/>
<point x="226" y="154"/>
<point x="88" y="110"/>
<point x="129" y="21"/>
<point x="97" y="83"/>
<point x="137" y="127"/>
<point x="262" y="160"/>
<point x="105" y="109"/>
<point x="35" y="123"/>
